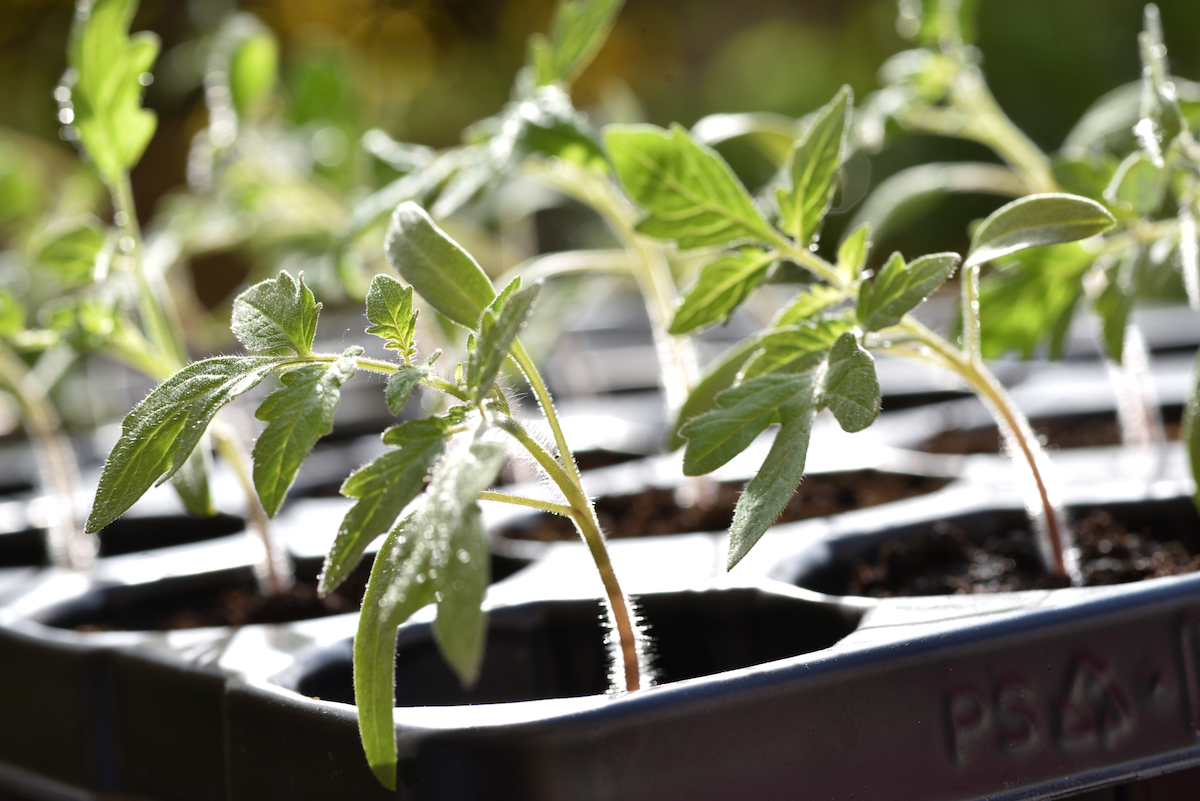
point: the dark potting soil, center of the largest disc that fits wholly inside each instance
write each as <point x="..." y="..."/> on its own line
<point x="1092" y="430"/>
<point x="658" y="511"/>
<point x="944" y="561"/>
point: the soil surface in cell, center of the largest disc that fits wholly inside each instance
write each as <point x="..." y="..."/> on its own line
<point x="944" y="561"/>
<point x="1092" y="430"/>
<point x="659" y="511"/>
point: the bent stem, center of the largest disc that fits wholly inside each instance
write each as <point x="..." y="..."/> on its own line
<point x="565" y="475"/>
<point x="1017" y="432"/>
<point x="67" y="544"/>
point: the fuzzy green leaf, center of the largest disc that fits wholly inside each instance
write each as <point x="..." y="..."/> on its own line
<point x="1113" y="306"/>
<point x="160" y="433"/>
<point x="71" y="253"/>
<point x="812" y="167"/>
<point x="718" y="377"/>
<point x="815" y="298"/>
<point x="900" y="287"/>
<point x="390" y="310"/>
<point x="297" y="415"/>
<point x="723" y="285"/>
<point x="401" y="384"/>
<point x="850" y="387"/>
<point x="1037" y="220"/>
<point x="443" y="273"/>
<point x="692" y="195"/>
<point x="579" y="29"/>
<point x="412" y="569"/>
<point x="852" y="253"/>
<point x="382" y="488"/>
<point x="106" y="96"/>
<point x="276" y="316"/>
<point x="797" y="348"/>
<point x="498" y="330"/>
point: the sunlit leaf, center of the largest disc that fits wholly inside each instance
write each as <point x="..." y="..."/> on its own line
<point x="900" y="287"/>
<point x="277" y="315"/>
<point x="722" y="286"/>
<point x="812" y="166"/>
<point x="579" y="29"/>
<point x="1037" y="220"/>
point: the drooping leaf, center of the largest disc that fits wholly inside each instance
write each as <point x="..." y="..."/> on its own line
<point x="579" y="29"/>
<point x="900" y="287"/>
<point x="106" y="96"/>
<point x="71" y="253"/>
<point x="401" y="384"/>
<point x="297" y="415"/>
<point x="390" y="310"/>
<point x="1035" y="220"/>
<point x="498" y="330"/>
<point x="276" y="316"/>
<point x="412" y="569"/>
<point x="723" y="285"/>
<point x="443" y="273"/>
<point x="692" y="195"/>
<point x="852" y="253"/>
<point x="813" y="299"/>
<point x="812" y="166"/>
<point x="1137" y="185"/>
<point x="382" y="488"/>
<point x="160" y="433"/>
<point x="850" y="388"/>
<point x="1031" y="300"/>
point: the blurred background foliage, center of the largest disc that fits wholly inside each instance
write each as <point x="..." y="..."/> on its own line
<point x="423" y="70"/>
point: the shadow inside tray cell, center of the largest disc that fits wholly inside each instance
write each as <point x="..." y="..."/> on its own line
<point x="556" y="649"/>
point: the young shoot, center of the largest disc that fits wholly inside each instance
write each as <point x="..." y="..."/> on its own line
<point x="817" y="354"/>
<point x="435" y="549"/>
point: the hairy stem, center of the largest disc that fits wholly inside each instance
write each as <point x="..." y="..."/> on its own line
<point x="566" y="475"/>
<point x="67" y="544"/>
<point x="1012" y="422"/>
<point x="275" y="568"/>
<point x="533" y="503"/>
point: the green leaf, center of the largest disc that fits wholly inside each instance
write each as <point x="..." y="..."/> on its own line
<point x="900" y="287"/>
<point x="1031" y="300"/>
<point x="106" y="96"/>
<point x="253" y="70"/>
<point x="579" y="29"/>
<point x="796" y="349"/>
<point x="718" y="377"/>
<point x="401" y="384"/>
<point x="276" y="316"/>
<point x="71" y="253"/>
<point x="1191" y="429"/>
<point x="412" y="569"/>
<point x="382" y="488"/>
<point x="812" y="167"/>
<point x="443" y="273"/>
<point x="390" y="310"/>
<point x="815" y="298"/>
<point x="721" y="288"/>
<point x="1137" y="185"/>
<point x="191" y="484"/>
<point x="852" y="253"/>
<point x="12" y="314"/>
<point x="160" y="433"/>
<point x="840" y="377"/>
<point x="498" y="330"/>
<point x="1037" y="220"/>
<point x="692" y="195"/>
<point x="1113" y="306"/>
<point x="297" y="415"/>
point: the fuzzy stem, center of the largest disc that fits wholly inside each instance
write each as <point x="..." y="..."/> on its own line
<point x="66" y="543"/>
<point x="1010" y="418"/>
<point x="533" y="503"/>
<point x="565" y="474"/>
<point x="275" y="567"/>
